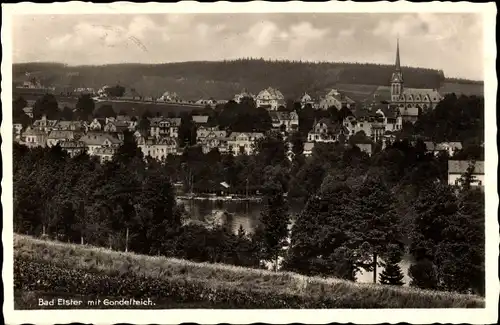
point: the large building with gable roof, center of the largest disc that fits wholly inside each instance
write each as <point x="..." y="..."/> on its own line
<point x="410" y="101"/>
<point x="270" y="98"/>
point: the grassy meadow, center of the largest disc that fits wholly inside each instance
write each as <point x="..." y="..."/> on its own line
<point x="53" y="269"/>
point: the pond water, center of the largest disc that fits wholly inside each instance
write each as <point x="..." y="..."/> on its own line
<point x="247" y="214"/>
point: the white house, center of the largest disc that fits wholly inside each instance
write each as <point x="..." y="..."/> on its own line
<point x="95" y="140"/>
<point x="449" y="147"/>
<point x="165" y="127"/>
<point x="391" y="117"/>
<point x="456" y="168"/>
<point x="336" y="99"/>
<point x="288" y="120"/>
<point x="212" y="142"/>
<point x="270" y="99"/>
<point x="204" y="131"/>
<point x="243" y="142"/>
<point x="325" y="130"/>
<point x="306" y="99"/>
<point x="373" y="124"/>
<point x="157" y="148"/>
<point x="34" y="138"/>
<point x="97" y="124"/>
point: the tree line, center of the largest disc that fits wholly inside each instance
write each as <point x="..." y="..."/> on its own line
<point x="291" y="77"/>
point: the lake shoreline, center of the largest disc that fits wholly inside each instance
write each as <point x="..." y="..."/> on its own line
<point x="219" y="198"/>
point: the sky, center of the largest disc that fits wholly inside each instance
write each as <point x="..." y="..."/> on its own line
<point x="450" y="42"/>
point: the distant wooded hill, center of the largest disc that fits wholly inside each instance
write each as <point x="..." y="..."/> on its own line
<point x="222" y="80"/>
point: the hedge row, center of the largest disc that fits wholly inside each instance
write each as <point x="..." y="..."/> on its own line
<point x="39" y="276"/>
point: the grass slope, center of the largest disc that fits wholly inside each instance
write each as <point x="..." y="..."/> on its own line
<point x="53" y="269"/>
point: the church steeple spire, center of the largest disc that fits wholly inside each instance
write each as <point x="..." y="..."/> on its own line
<point x="397" y="78"/>
<point x="398" y="64"/>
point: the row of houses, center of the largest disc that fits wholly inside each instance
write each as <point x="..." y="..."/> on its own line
<point x="365" y="126"/>
<point x="272" y="99"/>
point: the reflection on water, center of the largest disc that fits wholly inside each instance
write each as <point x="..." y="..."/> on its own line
<point x="247" y="214"/>
<point x="244" y="214"/>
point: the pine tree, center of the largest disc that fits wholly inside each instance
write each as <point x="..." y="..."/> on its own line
<point x="377" y="225"/>
<point x="272" y="232"/>
<point x="323" y="234"/>
<point x="468" y="178"/>
<point x="392" y="273"/>
<point x="448" y="240"/>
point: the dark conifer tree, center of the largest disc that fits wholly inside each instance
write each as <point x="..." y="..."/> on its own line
<point x="272" y="231"/>
<point x="392" y="273"/>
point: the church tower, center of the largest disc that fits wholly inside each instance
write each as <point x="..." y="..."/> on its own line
<point x="397" y="79"/>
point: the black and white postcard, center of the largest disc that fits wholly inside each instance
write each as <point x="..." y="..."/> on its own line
<point x="249" y="162"/>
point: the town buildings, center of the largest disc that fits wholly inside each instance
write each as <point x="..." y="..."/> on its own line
<point x="243" y="142"/>
<point x="204" y="132"/>
<point x="336" y="99"/>
<point x="325" y="130"/>
<point x="71" y="126"/>
<point x="443" y="147"/>
<point x="157" y="148"/>
<point x="97" y="124"/>
<point x="58" y="136"/>
<point x="374" y="122"/>
<point x="165" y="127"/>
<point x="96" y="140"/>
<point x="271" y="99"/>
<point x="215" y="142"/>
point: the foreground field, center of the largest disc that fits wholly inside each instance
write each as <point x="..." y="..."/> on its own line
<point x="44" y="269"/>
